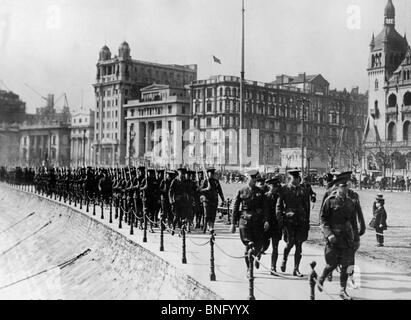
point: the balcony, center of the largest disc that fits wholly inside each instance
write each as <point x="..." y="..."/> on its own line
<point x="392" y="110"/>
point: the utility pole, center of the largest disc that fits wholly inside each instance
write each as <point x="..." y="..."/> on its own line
<point x="241" y="142"/>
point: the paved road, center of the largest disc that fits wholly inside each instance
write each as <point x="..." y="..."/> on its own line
<point x="377" y="280"/>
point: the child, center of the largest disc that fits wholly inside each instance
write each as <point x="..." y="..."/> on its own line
<point x="379" y="221"/>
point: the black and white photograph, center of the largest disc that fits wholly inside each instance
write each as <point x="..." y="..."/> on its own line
<point x="208" y="150"/>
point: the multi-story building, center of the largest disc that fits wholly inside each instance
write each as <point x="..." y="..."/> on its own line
<point x="12" y="109"/>
<point x="9" y="144"/>
<point x="333" y="121"/>
<point x="388" y="130"/>
<point x="119" y="80"/>
<point x="45" y="138"/>
<point x="82" y="135"/>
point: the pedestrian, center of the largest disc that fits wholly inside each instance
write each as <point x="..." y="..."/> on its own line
<point x="379" y="220"/>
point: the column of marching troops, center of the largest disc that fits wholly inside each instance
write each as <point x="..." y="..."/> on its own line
<point x="265" y="210"/>
<point x="185" y="198"/>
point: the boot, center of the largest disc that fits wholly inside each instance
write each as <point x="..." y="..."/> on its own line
<point x="320" y="284"/>
<point x="274" y="271"/>
<point x="330" y="277"/>
<point x="344" y="295"/>
<point x="297" y="260"/>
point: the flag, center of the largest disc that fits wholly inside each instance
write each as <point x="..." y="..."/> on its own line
<point x="216" y="60"/>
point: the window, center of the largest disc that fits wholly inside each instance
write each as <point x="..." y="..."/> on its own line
<point x="208" y="106"/>
<point x="208" y="123"/>
<point x="170" y="109"/>
<point x="376" y="84"/>
<point x="116" y="124"/>
<point x="97" y="125"/>
<point x="79" y="120"/>
<point x="209" y="92"/>
<point x="74" y="121"/>
<point x="183" y="110"/>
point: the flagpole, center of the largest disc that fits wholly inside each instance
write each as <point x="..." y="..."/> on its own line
<point x="242" y="93"/>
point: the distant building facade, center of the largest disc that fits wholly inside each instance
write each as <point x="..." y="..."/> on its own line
<point x="387" y="136"/>
<point x="45" y="138"/>
<point x="333" y="122"/>
<point x="119" y="80"/>
<point x="12" y="109"/>
<point x="81" y="140"/>
<point x="9" y="144"/>
<point x="156" y="124"/>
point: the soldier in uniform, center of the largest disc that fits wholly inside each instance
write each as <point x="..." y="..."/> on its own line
<point x="275" y="231"/>
<point x="165" y="202"/>
<point x="332" y="189"/>
<point x="210" y="190"/>
<point x="179" y="199"/>
<point x="340" y="229"/>
<point x="254" y="220"/>
<point x="293" y="206"/>
<point x="198" y="207"/>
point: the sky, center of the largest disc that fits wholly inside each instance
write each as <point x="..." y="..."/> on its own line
<point x="53" y="45"/>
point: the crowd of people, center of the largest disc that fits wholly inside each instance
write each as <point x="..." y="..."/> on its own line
<point x="267" y="209"/>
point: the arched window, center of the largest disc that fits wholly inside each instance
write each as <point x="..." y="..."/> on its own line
<point x="407" y="98"/>
<point x="407" y="131"/>
<point x="392" y="136"/>
<point x="392" y="101"/>
<point x="372" y="61"/>
<point x="221" y="92"/>
<point x="376" y="84"/>
<point x="227" y="91"/>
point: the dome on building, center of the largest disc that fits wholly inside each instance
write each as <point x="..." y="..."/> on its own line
<point x="105" y="53"/>
<point x="124" y="50"/>
<point x="389" y="10"/>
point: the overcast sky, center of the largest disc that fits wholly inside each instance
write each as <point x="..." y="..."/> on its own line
<point x="57" y="53"/>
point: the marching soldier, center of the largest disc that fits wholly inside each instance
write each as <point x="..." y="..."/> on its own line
<point x="179" y="199"/>
<point x="166" y="213"/>
<point x="293" y="207"/>
<point x="340" y="230"/>
<point x="210" y="190"/>
<point x="275" y="231"/>
<point x="249" y="210"/>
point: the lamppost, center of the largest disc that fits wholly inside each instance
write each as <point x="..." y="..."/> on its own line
<point x="303" y="101"/>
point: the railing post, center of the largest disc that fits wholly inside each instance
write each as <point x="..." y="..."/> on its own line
<point x="116" y="205"/>
<point x="251" y="273"/>
<point x="312" y="280"/>
<point x="183" y="234"/>
<point x="120" y="219"/>
<point x="212" y="271"/>
<point x="111" y="210"/>
<point x="131" y="222"/>
<point x="81" y="202"/>
<point x="75" y="200"/>
<point x="161" y="234"/>
<point x="145" y="227"/>
<point x="94" y="206"/>
<point x="102" y="207"/>
<point x="87" y="203"/>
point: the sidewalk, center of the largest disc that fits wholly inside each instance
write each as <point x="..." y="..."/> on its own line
<point x="376" y="281"/>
